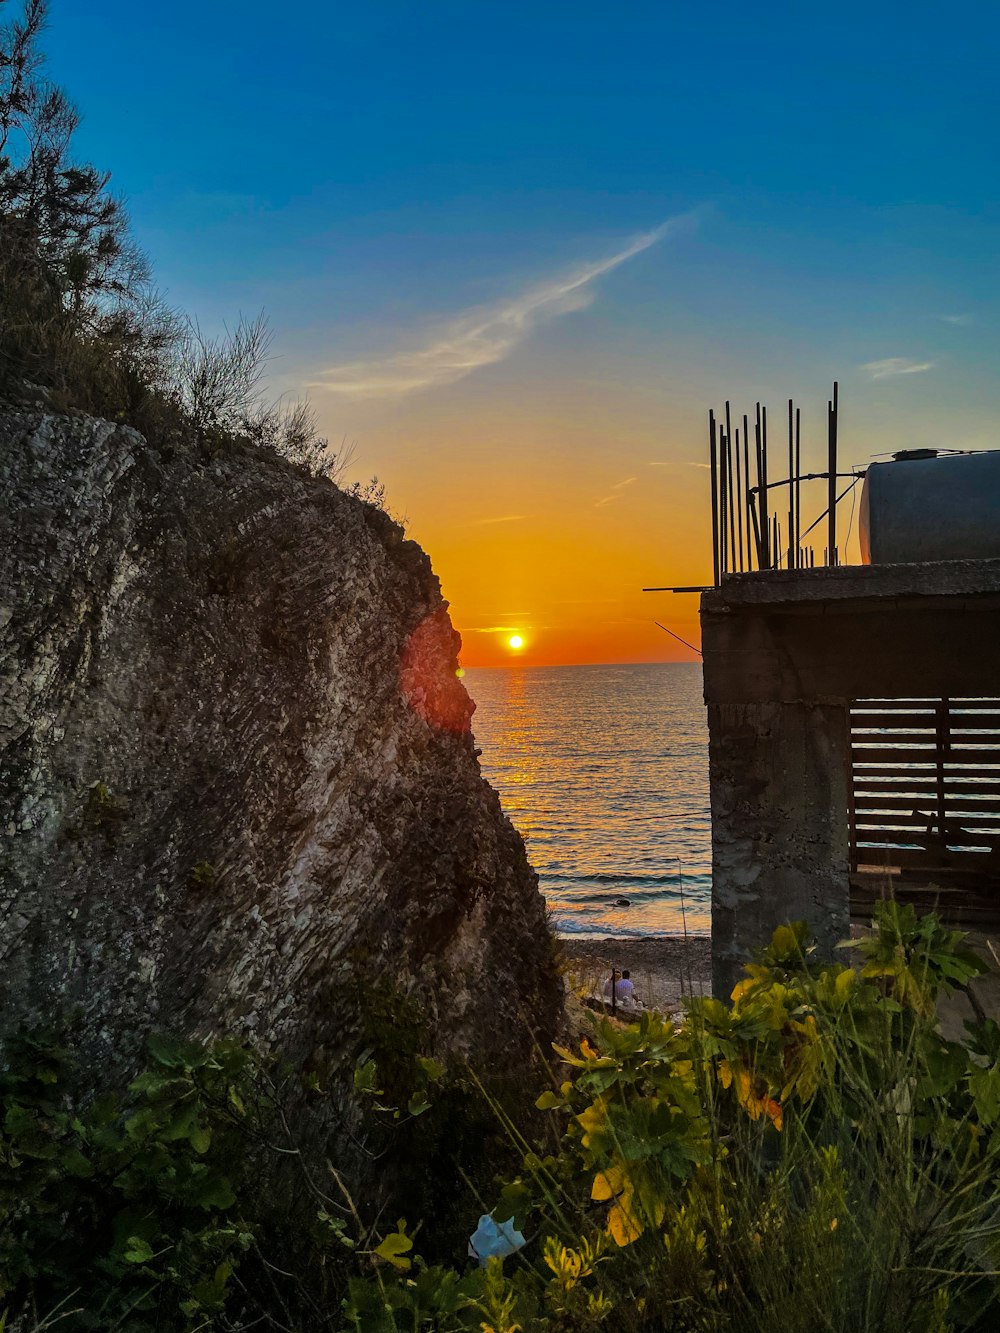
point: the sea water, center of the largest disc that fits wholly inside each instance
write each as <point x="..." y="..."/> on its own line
<point x="604" y="771"/>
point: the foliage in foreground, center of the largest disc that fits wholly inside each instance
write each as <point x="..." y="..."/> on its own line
<point x="120" y="1214"/>
<point x="814" y="1155"/>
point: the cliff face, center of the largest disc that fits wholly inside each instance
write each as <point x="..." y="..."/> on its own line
<point x="238" y="784"/>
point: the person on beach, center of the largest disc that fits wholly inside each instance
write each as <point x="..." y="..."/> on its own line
<point x="624" y="990"/>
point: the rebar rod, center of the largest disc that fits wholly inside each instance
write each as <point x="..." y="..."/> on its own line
<point x="832" y="485"/>
<point x="798" y="483"/>
<point x="752" y="511"/>
<point x="816" y="522"/>
<point x="713" y="465"/>
<point x="739" y="501"/>
<point x="762" y="547"/>
<point x="746" y="482"/>
<point x="723" y="511"/>
<point x="765" y="526"/>
<point x="733" y="557"/>
<point x="791" y="482"/>
<point x="732" y="505"/>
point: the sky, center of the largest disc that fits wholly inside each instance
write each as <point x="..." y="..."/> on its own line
<point x="514" y="253"/>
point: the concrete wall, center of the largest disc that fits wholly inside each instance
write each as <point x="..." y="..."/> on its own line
<point x="785" y="654"/>
<point x="778" y="775"/>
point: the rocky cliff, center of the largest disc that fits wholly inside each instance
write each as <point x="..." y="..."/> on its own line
<point x="238" y="781"/>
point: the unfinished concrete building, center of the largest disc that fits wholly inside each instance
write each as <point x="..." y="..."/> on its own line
<point x="853" y="710"/>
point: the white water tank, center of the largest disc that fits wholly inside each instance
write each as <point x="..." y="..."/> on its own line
<point x="929" y="506"/>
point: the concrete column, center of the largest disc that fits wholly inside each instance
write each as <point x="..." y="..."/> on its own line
<point x="780" y="839"/>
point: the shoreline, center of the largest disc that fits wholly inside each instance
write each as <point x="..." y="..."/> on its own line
<point x="664" y="967"/>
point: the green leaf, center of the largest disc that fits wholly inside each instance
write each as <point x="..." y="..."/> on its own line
<point x="515" y="1202"/>
<point x="138" y="1251"/>
<point x="394" y="1247"/>
<point x="337" y="1227"/>
<point x="548" y="1101"/>
<point x="177" y="1052"/>
<point x="417" y="1105"/>
<point x="366" y="1079"/>
<point x="181" y="1125"/>
<point x="434" y="1069"/>
<point x="200" y="1139"/>
<point x="75" y="1164"/>
<point x="212" y="1191"/>
<point x="984" y="1086"/>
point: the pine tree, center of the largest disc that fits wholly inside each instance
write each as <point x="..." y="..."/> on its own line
<point x="69" y="275"/>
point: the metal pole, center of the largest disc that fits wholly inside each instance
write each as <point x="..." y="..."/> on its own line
<point x="798" y="483"/>
<point x="723" y="507"/>
<point x="752" y="511"/>
<point x="715" y="495"/>
<point x="729" y="491"/>
<point x="761" y="496"/>
<point x="736" y="549"/>
<point x="791" y="484"/>
<point x="746" y="483"/>
<point x="832" y="474"/>
<point x="763" y="449"/>
<point x="739" y="500"/>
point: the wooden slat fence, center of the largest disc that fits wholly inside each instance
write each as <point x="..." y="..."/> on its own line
<point x="925" y="793"/>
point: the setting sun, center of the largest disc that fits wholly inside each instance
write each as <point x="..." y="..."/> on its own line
<point x="515" y="641"/>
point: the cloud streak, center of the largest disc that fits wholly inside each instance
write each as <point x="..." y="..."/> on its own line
<point x="616" y="492"/>
<point x="501" y="518"/>
<point x="483" y="335"/>
<point x="896" y="365"/>
<point x="491" y="629"/>
<point x="676" y="462"/>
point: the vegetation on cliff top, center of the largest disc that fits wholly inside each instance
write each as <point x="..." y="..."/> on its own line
<point x="82" y="327"/>
<point x="813" y="1155"/>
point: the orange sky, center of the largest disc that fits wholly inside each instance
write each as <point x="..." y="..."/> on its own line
<point x="567" y="582"/>
<point x="552" y="472"/>
<point x="545" y="516"/>
<point x="550" y="530"/>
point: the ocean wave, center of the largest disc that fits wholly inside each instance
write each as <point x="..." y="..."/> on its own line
<point x="604" y="818"/>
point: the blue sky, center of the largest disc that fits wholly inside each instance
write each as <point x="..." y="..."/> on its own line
<point x="391" y="180"/>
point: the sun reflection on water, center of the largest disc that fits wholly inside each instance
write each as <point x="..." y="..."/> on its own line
<point x="604" y="770"/>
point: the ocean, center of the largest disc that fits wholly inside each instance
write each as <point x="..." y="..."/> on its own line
<point x="604" y="771"/>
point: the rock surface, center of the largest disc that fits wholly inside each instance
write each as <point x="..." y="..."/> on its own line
<point x="238" y="783"/>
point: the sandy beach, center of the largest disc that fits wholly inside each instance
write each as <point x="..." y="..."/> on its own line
<point x="663" y="967"/>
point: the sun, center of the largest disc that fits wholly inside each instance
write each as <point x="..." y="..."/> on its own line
<point x="515" y="641"/>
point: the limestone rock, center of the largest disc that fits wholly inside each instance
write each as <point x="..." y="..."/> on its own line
<point x="238" y="782"/>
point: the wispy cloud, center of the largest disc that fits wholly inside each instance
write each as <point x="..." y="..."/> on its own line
<point x="957" y="319"/>
<point x="486" y="334"/>
<point x="615" y="493"/>
<point x="491" y="629"/>
<point x="676" y="462"/>
<point x="896" y="365"/>
<point x="502" y="518"/>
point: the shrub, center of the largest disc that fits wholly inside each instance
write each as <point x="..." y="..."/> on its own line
<point x="76" y="312"/>
<point x="122" y="1214"/>
<point x="80" y="322"/>
<point x="814" y="1155"/>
